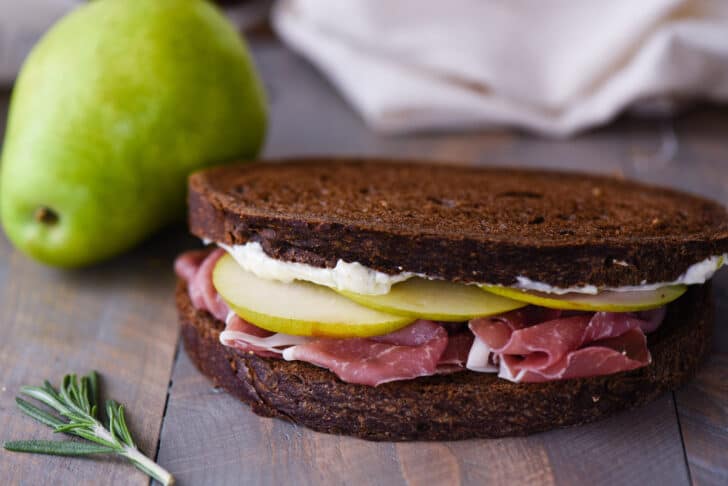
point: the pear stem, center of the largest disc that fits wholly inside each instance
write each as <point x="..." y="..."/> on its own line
<point x="46" y="216"/>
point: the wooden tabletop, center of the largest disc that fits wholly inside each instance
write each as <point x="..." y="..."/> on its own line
<point x="119" y="318"/>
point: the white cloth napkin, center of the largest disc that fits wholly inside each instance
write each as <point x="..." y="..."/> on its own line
<point x="551" y="66"/>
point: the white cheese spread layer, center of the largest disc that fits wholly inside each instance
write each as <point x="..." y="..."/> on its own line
<point x="352" y="277"/>
<point x="697" y="273"/>
<point x="357" y="278"/>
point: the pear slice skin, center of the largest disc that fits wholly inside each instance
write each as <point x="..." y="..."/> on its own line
<point x="298" y="308"/>
<point x="437" y="300"/>
<point x="609" y="301"/>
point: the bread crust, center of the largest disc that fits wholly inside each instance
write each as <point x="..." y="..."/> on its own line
<point x="449" y="407"/>
<point x="462" y="224"/>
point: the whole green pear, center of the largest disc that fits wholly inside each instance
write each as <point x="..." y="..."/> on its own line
<point x="113" y="108"/>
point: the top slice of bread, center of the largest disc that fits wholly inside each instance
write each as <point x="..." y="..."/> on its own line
<point x="459" y="223"/>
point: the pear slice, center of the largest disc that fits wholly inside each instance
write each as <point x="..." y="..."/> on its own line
<point x="610" y="301"/>
<point x="298" y="308"/>
<point x="437" y="300"/>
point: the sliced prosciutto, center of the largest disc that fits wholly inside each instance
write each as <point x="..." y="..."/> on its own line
<point x="456" y="353"/>
<point x="248" y="338"/>
<point x="196" y="268"/>
<point x="531" y="344"/>
<point x="603" y="357"/>
<point x="572" y="346"/>
<point x="406" y="354"/>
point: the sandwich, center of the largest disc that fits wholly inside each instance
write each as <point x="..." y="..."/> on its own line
<point x="410" y="301"/>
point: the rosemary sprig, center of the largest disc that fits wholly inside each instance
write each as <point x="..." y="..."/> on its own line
<point x="77" y="403"/>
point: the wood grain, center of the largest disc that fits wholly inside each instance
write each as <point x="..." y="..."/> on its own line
<point x="638" y="447"/>
<point x="116" y="318"/>
<point x="703" y="409"/>
<point x="119" y="318"/>
<point x="703" y="405"/>
<point x="210" y="438"/>
<point x="227" y="442"/>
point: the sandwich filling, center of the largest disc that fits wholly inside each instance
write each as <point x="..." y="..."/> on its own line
<point x="519" y="342"/>
<point x="357" y="278"/>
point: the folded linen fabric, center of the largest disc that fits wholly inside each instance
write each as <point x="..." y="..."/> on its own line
<point x="554" y="67"/>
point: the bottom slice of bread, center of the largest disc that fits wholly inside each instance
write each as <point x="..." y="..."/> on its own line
<point x="446" y="407"/>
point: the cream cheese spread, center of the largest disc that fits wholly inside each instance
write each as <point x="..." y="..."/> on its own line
<point x="357" y="278"/>
<point x="697" y="273"/>
<point x="352" y="277"/>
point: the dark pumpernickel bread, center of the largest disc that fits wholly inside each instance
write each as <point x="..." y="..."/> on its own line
<point x="457" y="406"/>
<point x="460" y="223"/>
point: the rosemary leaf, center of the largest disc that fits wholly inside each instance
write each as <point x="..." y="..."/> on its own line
<point x="78" y="401"/>
<point x="38" y="414"/>
<point x="93" y="437"/>
<point x="93" y="391"/>
<point x="58" y="447"/>
<point x="123" y="429"/>
<point x="46" y="396"/>
<point x="50" y="389"/>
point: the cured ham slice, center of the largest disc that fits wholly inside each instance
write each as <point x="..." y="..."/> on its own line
<point x="408" y="353"/>
<point x="653" y="318"/>
<point x="196" y="268"/>
<point x="565" y="347"/>
<point x="456" y="353"/>
<point x="604" y="357"/>
<point x="531" y="344"/>
<point x="246" y="337"/>
<point x="496" y="331"/>
<point x="188" y="263"/>
<point x="416" y="334"/>
<point x="457" y="350"/>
